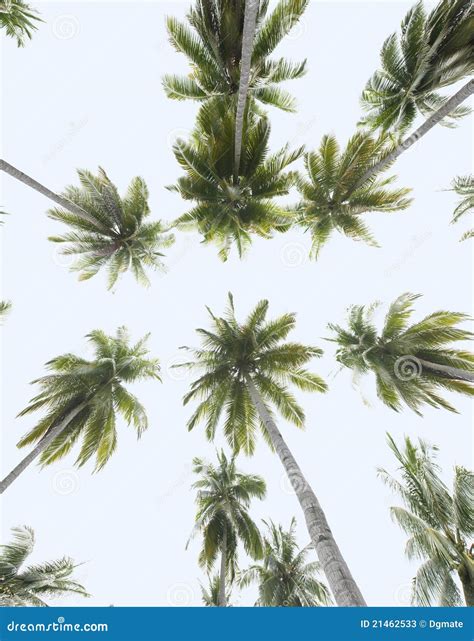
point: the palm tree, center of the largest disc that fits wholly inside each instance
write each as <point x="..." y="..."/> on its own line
<point x="82" y="399"/>
<point x="246" y="368"/>
<point x="106" y="230"/>
<point x="284" y="577"/>
<point x="210" y="594"/>
<point x="19" y="20"/>
<point x="439" y="524"/>
<point x="223" y="500"/>
<point x="213" y="45"/>
<point x="5" y="307"/>
<point x="226" y="210"/>
<point x="411" y="363"/>
<point x="464" y="187"/>
<point x="28" y="586"/>
<point x="334" y="198"/>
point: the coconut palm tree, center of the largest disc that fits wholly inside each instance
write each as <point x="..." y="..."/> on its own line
<point x="333" y="199"/>
<point x="411" y="363"/>
<point x="464" y="187"/>
<point x="19" y="20"/>
<point x="82" y="399"/>
<point x="210" y="594"/>
<point x="223" y="500"/>
<point x="107" y="230"/>
<point x="212" y="41"/>
<point x="5" y="307"/>
<point x="226" y="210"/>
<point x="246" y="369"/>
<point x="285" y="577"/>
<point x="440" y="524"/>
<point x="434" y="51"/>
<point x="29" y="586"/>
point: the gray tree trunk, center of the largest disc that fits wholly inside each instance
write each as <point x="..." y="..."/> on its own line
<point x="466" y="575"/>
<point x="459" y="97"/>
<point x="223" y="573"/>
<point x="36" y="451"/>
<point x="248" y="36"/>
<point x="59" y="200"/>
<point x="450" y="372"/>
<point x="339" y="577"/>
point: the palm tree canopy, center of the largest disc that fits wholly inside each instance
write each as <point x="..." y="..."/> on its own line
<point x="115" y="232"/>
<point x="5" y="307"/>
<point x="231" y="353"/>
<point x="223" y="500"/>
<point x="439" y="523"/>
<point x="212" y="42"/>
<point x="395" y="353"/>
<point x="210" y="594"/>
<point x="229" y="211"/>
<point x="464" y="187"/>
<point x="19" y="20"/>
<point x="334" y="199"/>
<point x="433" y="51"/>
<point x="98" y="384"/>
<point x="285" y="578"/>
<point x="28" y="586"/>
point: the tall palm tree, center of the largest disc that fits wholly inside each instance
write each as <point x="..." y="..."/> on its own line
<point x="464" y="187"/>
<point x="440" y="524"/>
<point x="5" y="307"/>
<point x="223" y="500"/>
<point x="29" y="586"/>
<point x="285" y="578"/>
<point x="226" y="210"/>
<point x="19" y="20"/>
<point x="210" y="594"/>
<point x="246" y="368"/>
<point x="82" y="399"/>
<point x="333" y="199"/>
<point x="411" y="363"/>
<point x="212" y="42"/>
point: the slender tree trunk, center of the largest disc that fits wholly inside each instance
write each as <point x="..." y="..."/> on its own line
<point x="466" y="575"/>
<point x="459" y="97"/>
<point x="42" y="445"/>
<point x="447" y="371"/>
<point x="248" y="36"/>
<point x="341" y="582"/>
<point x="223" y="572"/>
<point x="59" y="200"/>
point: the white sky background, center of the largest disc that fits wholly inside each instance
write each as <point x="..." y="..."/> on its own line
<point x="86" y="92"/>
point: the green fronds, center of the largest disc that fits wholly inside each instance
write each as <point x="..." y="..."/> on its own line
<point x="19" y="20"/>
<point x="464" y="188"/>
<point x="5" y="307"/>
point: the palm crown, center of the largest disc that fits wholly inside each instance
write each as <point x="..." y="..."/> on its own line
<point x="213" y="45"/>
<point x="285" y="578"/>
<point x="411" y="363"/>
<point x="19" y="20"/>
<point x="333" y="198"/>
<point x="440" y="524"/>
<point x="223" y="500"/>
<point x="432" y="52"/>
<point x="97" y="387"/>
<point x="229" y="211"/>
<point x="234" y="352"/>
<point x="28" y="586"/>
<point x="464" y="187"/>
<point x="114" y="232"/>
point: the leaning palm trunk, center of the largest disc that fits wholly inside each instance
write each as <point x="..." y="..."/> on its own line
<point x="458" y="98"/>
<point x="466" y="575"/>
<point x="45" y="441"/>
<point x="223" y="572"/>
<point x="447" y="371"/>
<point x="250" y="22"/>
<point x="34" y="184"/>
<point x="341" y="582"/>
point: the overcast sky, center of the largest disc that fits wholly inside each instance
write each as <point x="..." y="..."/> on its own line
<point x="86" y="92"/>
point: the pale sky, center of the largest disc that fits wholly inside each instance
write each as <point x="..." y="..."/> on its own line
<point x="86" y="92"/>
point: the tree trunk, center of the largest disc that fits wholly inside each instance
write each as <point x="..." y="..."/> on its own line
<point x="447" y="371"/>
<point x="59" y="200"/>
<point x="223" y="572"/>
<point x="466" y="575"/>
<point x="248" y="36"/>
<point x="341" y="582"/>
<point x="36" y="451"/>
<point x="459" y="97"/>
